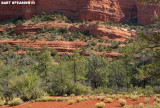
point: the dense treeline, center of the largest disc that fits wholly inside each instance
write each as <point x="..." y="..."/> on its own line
<point x="35" y="74"/>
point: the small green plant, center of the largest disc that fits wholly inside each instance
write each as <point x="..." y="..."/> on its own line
<point x="141" y="105"/>
<point x="122" y="102"/>
<point x="79" y="99"/>
<point x="109" y="100"/>
<point x="86" y="99"/>
<point x="100" y="105"/>
<point x="117" y="97"/>
<point x="146" y="100"/>
<point x="134" y="97"/>
<point x="71" y="102"/>
<point x="15" y="101"/>
<point x="101" y="98"/>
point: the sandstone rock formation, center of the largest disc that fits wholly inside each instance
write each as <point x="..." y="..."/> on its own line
<point x="129" y="9"/>
<point x="103" y="10"/>
<point x="146" y="13"/>
<point x="62" y="47"/>
<point x="111" y="33"/>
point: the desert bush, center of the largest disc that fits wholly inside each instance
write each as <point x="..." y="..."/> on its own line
<point x="100" y="105"/>
<point x="72" y="96"/>
<point x="141" y="105"/>
<point x="15" y="101"/>
<point x="2" y="103"/>
<point x="79" y="89"/>
<point x="126" y="96"/>
<point x="134" y="97"/>
<point x="86" y="99"/>
<point x="122" y="102"/>
<point x="71" y="102"/>
<point x="146" y="100"/>
<point x="26" y="86"/>
<point x="109" y="100"/>
<point x="102" y="98"/>
<point x="79" y="99"/>
<point x="117" y="97"/>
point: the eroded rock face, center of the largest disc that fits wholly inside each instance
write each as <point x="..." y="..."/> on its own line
<point x="146" y="13"/>
<point x="103" y="10"/>
<point x="129" y="9"/>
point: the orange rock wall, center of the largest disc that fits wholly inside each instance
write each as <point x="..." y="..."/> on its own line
<point x="146" y="13"/>
<point x="92" y="10"/>
<point x="103" y="10"/>
<point x="129" y="9"/>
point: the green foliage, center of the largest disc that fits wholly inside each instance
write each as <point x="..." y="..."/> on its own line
<point x="79" y="99"/>
<point x="71" y="102"/>
<point x="97" y="72"/>
<point x="109" y="100"/>
<point x="26" y="86"/>
<point x="2" y="103"/>
<point x="54" y="52"/>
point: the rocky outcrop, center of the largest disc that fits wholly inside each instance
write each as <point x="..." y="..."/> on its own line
<point x="106" y="32"/>
<point x="147" y="12"/>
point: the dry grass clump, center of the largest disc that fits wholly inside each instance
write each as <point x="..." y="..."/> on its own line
<point x="122" y="102"/>
<point x="15" y="101"/>
<point x="134" y="97"/>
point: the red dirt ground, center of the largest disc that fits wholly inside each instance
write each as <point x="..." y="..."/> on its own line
<point x="83" y="104"/>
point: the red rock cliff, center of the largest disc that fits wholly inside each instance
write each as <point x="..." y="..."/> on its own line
<point x="102" y="10"/>
<point x="129" y="9"/>
<point x="147" y="12"/>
